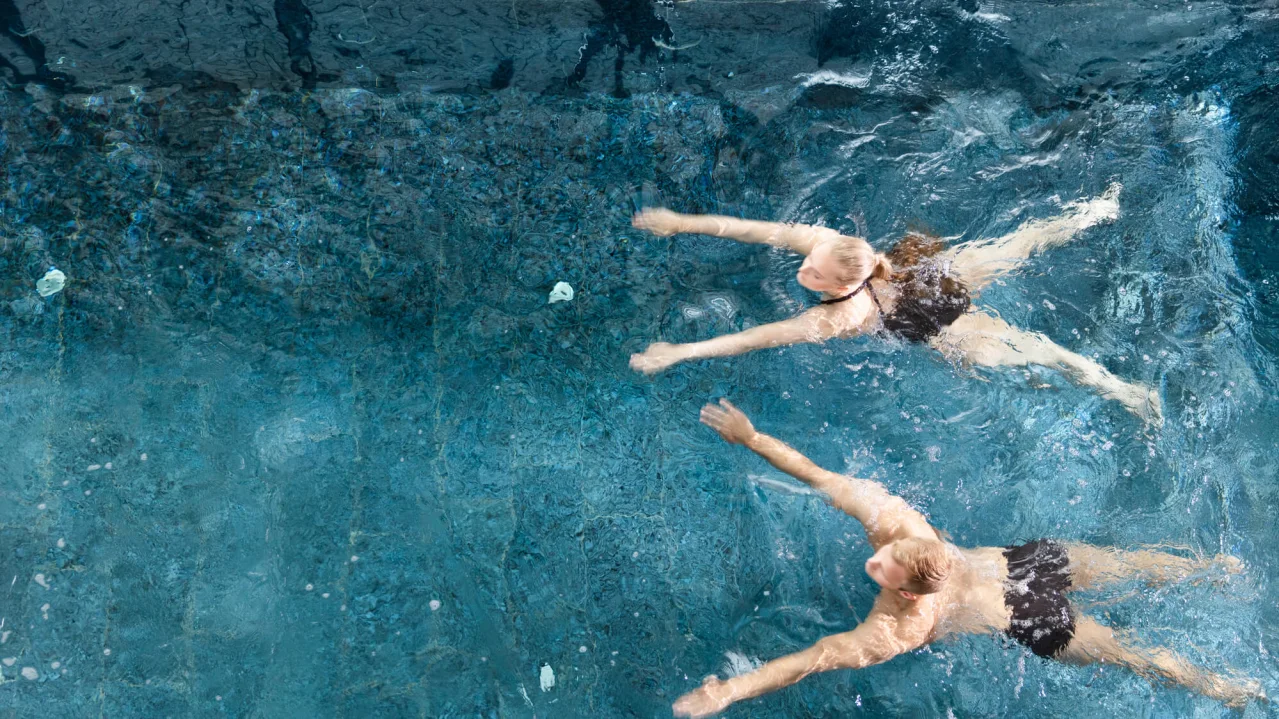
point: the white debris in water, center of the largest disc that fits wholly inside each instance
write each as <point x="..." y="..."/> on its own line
<point x="547" y="678"/>
<point x="309" y="587"/>
<point x="581" y="649"/>
<point x="61" y="542"/>
<point x="435" y="605"/>
<point x="42" y="506"/>
<point x="106" y="652"/>
<point x="561" y="292"/>
<point x="9" y="661"/>
<point x="355" y="558"/>
<point x="4" y="637"/>
<point x="30" y="673"/>
<point x="107" y="465"/>
<point x="324" y="596"/>
<point x="143" y="457"/>
<point x="41" y="581"/>
<point x="52" y="282"/>
<point x="94" y="467"/>
<point x="55" y="665"/>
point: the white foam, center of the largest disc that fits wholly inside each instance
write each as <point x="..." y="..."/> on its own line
<point x="739" y="664"/>
<point x="830" y="77"/>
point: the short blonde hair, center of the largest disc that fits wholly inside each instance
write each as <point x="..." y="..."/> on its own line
<point x="858" y="261"/>
<point x="927" y="563"/>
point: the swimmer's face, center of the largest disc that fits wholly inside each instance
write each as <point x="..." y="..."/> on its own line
<point x="820" y="272"/>
<point x="885" y="570"/>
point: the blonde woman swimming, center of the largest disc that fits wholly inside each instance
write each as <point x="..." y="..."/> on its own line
<point x="920" y="291"/>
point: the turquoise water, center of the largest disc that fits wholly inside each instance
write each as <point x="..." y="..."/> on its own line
<point x="303" y="437"/>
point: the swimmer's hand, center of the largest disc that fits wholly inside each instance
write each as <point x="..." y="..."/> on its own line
<point x="731" y="423"/>
<point x="711" y="698"/>
<point x="657" y="357"/>
<point x="657" y="220"/>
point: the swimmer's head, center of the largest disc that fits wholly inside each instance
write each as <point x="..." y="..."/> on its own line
<point x="842" y="262"/>
<point x="911" y="566"/>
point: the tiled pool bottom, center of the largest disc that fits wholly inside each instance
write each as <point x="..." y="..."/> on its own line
<point x="384" y="477"/>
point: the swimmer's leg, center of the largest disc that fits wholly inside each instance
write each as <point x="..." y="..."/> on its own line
<point x="981" y="339"/>
<point x="980" y="262"/>
<point x="1094" y="567"/>
<point x="1095" y="643"/>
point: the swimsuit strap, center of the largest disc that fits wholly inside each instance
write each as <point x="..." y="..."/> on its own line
<point x="874" y="297"/>
<point x="864" y="286"/>
<point x="852" y="294"/>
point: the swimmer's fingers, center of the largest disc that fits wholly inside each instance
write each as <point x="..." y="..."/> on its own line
<point x="731" y="423"/>
<point x="641" y="363"/>
<point x="647" y="363"/>
<point x="657" y="220"/>
<point x="713" y="417"/>
<point x="731" y="409"/>
<point x="708" y="699"/>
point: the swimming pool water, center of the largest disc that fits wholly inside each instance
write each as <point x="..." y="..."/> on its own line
<point x="303" y="437"/>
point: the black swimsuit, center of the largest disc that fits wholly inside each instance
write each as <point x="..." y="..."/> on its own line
<point x="928" y="302"/>
<point x="1038" y="579"/>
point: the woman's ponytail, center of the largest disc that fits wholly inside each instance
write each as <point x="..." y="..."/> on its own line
<point x="883" y="269"/>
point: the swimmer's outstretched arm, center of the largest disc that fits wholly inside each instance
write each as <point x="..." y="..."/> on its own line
<point x="883" y="514"/>
<point x="816" y="325"/>
<point x="798" y="238"/>
<point x="880" y="638"/>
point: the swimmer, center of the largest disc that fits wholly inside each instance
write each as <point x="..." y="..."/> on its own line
<point x="920" y="291"/>
<point x="930" y="589"/>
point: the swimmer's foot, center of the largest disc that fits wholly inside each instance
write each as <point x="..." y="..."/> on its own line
<point x="1235" y="692"/>
<point x="1141" y="401"/>
<point x="1221" y="567"/>
<point x="1213" y="570"/>
<point x="1227" y="563"/>
<point x="1099" y="209"/>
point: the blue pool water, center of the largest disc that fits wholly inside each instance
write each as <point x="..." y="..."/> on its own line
<point x="302" y="436"/>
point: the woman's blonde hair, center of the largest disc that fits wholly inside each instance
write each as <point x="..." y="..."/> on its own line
<point x="858" y="261"/>
<point x="927" y="562"/>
